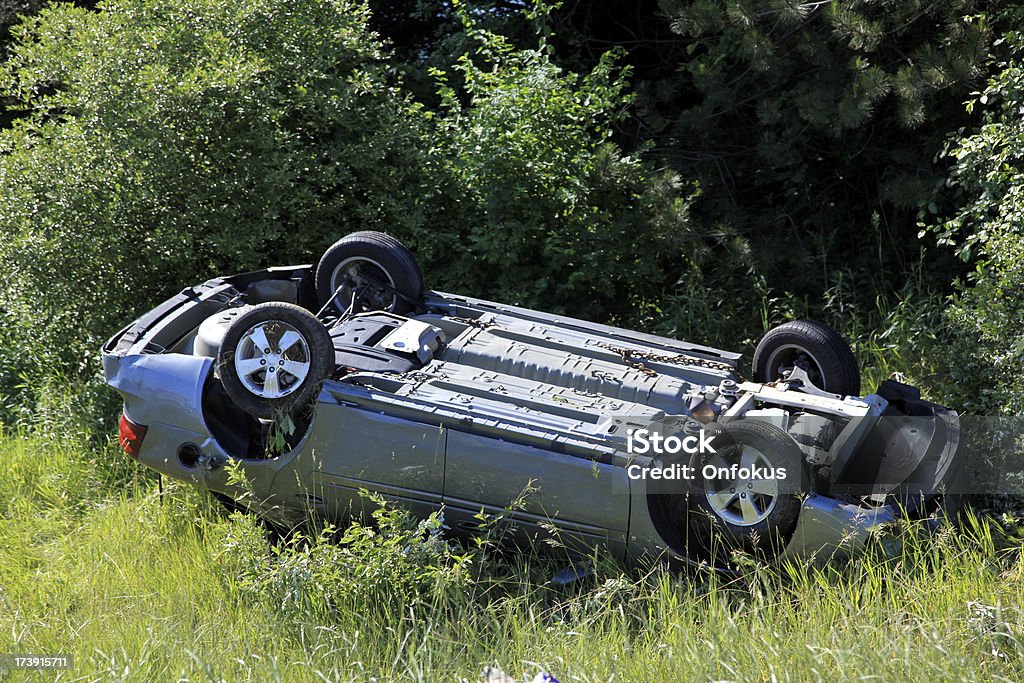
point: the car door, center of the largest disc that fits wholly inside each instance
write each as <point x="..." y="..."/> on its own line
<point x="352" y="448"/>
<point x="587" y="501"/>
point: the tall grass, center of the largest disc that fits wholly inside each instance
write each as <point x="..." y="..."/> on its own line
<point x="142" y="586"/>
<point x="143" y="583"/>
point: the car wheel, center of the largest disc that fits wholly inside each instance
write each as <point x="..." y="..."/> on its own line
<point x="737" y="507"/>
<point x="273" y="358"/>
<point x="368" y="271"/>
<point x="815" y="348"/>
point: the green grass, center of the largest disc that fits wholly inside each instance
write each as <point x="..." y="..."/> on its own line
<point x="94" y="562"/>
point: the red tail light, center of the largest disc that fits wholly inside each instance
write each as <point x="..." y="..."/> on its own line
<point x="131" y="436"/>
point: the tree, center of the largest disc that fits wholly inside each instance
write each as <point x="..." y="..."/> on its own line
<point x="165" y="140"/>
<point x="812" y="127"/>
<point x="982" y="343"/>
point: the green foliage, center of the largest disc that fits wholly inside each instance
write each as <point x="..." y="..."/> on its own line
<point x="425" y="35"/>
<point x="801" y="121"/>
<point x="544" y="209"/>
<point x="11" y="10"/>
<point x="139" y="585"/>
<point x="983" y="346"/>
<point x="381" y="569"/>
<point x="808" y="105"/>
<point x="894" y="329"/>
<point x="167" y="141"/>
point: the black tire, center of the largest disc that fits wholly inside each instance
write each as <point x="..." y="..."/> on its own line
<point x="377" y="257"/>
<point x="815" y="347"/>
<point x="274" y="381"/>
<point x="758" y="517"/>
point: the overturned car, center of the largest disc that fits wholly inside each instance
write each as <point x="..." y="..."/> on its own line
<point x="348" y="376"/>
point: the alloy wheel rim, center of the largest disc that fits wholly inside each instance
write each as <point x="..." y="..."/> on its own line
<point x="272" y="359"/>
<point x="737" y="500"/>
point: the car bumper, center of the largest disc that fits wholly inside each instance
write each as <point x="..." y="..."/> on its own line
<point x="164" y="392"/>
<point x="829" y="528"/>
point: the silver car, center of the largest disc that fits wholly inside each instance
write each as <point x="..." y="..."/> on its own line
<point x="322" y="382"/>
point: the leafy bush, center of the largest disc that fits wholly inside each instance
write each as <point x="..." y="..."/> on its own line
<point x="983" y="346"/>
<point x="545" y="209"/>
<point x="169" y="139"/>
<point x="381" y="569"/>
<point x="163" y="141"/>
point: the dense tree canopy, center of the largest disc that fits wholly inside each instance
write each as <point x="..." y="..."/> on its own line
<point x="700" y="167"/>
<point x="813" y="127"/>
<point x="161" y="142"/>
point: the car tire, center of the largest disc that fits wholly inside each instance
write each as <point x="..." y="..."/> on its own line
<point x="757" y="516"/>
<point x="378" y="257"/>
<point x="273" y="359"/>
<point x="817" y="348"/>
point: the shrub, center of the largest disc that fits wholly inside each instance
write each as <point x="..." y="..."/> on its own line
<point x="549" y="212"/>
<point x="983" y="346"/>
<point x="162" y="141"/>
<point x="168" y="139"/>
